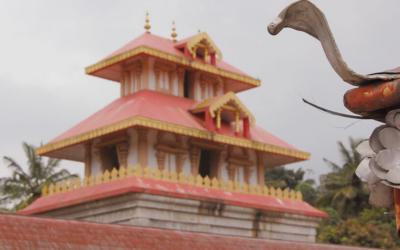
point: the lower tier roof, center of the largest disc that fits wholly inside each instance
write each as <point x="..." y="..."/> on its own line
<point x="170" y="113"/>
<point x="28" y="232"/>
<point x="170" y="189"/>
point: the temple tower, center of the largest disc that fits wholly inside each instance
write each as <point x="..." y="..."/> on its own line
<point x="177" y="149"/>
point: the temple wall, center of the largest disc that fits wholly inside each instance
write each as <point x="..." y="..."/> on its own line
<point x="152" y="76"/>
<point x="253" y="176"/>
<point x="96" y="168"/>
<point x="164" y="75"/>
<point x="132" y="152"/>
<point x="140" y="209"/>
<point x="186" y="165"/>
<point x="152" y="140"/>
<point x="224" y="171"/>
<point x="170" y="161"/>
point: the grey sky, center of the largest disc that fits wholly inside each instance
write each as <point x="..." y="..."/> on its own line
<point x="45" y="46"/>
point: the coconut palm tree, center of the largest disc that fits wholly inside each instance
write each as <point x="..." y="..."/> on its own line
<point x="285" y="178"/>
<point x="341" y="188"/>
<point x="22" y="188"/>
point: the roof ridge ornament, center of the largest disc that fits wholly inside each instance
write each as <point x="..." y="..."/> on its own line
<point x="147" y="26"/>
<point x="173" y="35"/>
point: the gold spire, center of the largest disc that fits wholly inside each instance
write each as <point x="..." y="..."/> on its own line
<point x="199" y="31"/>
<point x="174" y="35"/>
<point x="147" y="26"/>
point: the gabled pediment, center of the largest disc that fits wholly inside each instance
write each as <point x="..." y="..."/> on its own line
<point x="202" y="45"/>
<point x="228" y="105"/>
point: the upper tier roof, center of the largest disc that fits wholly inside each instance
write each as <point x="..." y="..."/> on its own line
<point x="169" y="113"/>
<point x="168" y="50"/>
<point x="28" y="232"/>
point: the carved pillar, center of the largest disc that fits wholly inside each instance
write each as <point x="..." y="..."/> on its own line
<point x="247" y="171"/>
<point x="179" y="160"/>
<point x="97" y="153"/>
<point x="122" y="83"/>
<point x="171" y="82"/>
<point x="145" y="73"/>
<point x="216" y="88"/>
<point x="122" y="149"/>
<point x="142" y="147"/>
<point x="225" y="86"/>
<point x="203" y="89"/>
<point x="181" y="79"/>
<point x="222" y="157"/>
<point x="138" y="78"/>
<point x="260" y="169"/>
<point x="128" y="82"/>
<point x="161" y="155"/>
<point x="157" y="74"/>
<point x="194" y="160"/>
<point x="88" y="159"/>
<point x="231" y="171"/>
<point x="212" y="59"/>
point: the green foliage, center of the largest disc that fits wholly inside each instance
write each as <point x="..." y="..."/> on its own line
<point x="333" y="218"/>
<point x="284" y="178"/>
<point x="341" y="188"/>
<point x="22" y="188"/>
<point x="310" y="195"/>
<point x="372" y="228"/>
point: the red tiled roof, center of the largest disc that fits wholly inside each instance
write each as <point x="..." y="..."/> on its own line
<point x="161" y="107"/>
<point x="177" y="190"/>
<point x="168" y="46"/>
<point x="26" y="232"/>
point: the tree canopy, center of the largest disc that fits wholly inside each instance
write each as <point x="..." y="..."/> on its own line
<point x="342" y="188"/>
<point x="22" y="188"/>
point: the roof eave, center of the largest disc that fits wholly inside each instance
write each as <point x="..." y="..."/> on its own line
<point x="172" y="58"/>
<point x="173" y="128"/>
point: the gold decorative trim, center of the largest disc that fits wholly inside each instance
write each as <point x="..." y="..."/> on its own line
<point x="221" y="103"/>
<point x="172" y="58"/>
<point x="173" y="128"/>
<point x="230" y="96"/>
<point x="173" y="176"/>
<point x="197" y="39"/>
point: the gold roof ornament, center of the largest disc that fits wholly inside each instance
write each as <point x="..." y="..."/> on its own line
<point x="147" y="26"/>
<point x="173" y="35"/>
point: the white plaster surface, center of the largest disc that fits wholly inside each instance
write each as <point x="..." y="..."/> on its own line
<point x="95" y="168"/>
<point x="132" y="152"/>
<point x="151" y="141"/>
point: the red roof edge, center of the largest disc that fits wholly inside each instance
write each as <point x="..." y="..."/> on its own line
<point x="28" y="232"/>
<point x="170" y="189"/>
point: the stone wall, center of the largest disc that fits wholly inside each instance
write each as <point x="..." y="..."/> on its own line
<point x="141" y="209"/>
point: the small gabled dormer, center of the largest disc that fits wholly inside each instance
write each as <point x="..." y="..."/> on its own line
<point x="200" y="47"/>
<point x="224" y="110"/>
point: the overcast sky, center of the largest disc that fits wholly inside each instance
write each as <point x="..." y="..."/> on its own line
<point x="45" y="46"/>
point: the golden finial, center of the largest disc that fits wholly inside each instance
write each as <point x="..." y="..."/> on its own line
<point x="173" y="32"/>
<point x="199" y="31"/>
<point x="147" y="26"/>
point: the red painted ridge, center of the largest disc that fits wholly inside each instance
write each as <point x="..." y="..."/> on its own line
<point x="170" y="189"/>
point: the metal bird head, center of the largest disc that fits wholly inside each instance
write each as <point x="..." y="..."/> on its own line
<point x="383" y="93"/>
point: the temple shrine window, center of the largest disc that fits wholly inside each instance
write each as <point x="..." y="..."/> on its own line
<point x="165" y="75"/>
<point x="112" y="152"/>
<point x="205" y="163"/>
<point x="186" y="85"/>
<point x="131" y="78"/>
